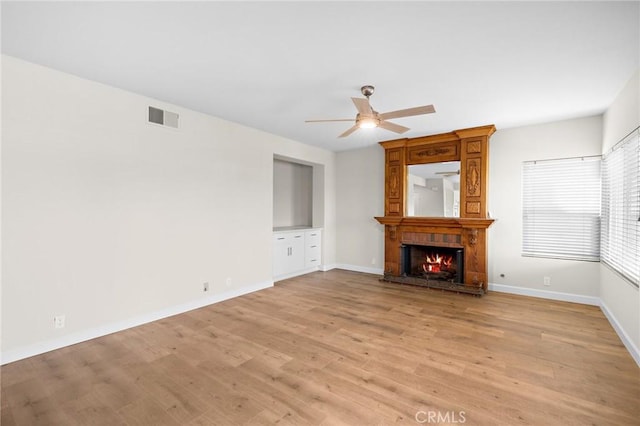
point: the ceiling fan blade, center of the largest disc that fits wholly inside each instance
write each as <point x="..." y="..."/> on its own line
<point x="427" y="109"/>
<point x="325" y="121"/>
<point x="349" y="131"/>
<point x="362" y="105"/>
<point x="392" y="126"/>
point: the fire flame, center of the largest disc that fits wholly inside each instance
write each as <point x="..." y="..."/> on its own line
<point x="437" y="263"/>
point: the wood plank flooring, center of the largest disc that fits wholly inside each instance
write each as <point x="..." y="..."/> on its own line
<point x="340" y="348"/>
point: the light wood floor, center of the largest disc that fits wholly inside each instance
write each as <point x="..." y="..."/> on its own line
<point x="340" y="348"/>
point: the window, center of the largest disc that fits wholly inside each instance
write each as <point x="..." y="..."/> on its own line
<point x="561" y="208"/>
<point x="621" y="208"/>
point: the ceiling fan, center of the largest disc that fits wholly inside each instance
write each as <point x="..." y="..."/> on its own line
<point x="447" y="174"/>
<point x="368" y="118"/>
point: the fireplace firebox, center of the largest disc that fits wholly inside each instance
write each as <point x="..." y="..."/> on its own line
<point x="433" y="263"/>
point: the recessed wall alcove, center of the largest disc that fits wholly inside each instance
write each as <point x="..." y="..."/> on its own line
<point x="298" y="193"/>
<point x="467" y="232"/>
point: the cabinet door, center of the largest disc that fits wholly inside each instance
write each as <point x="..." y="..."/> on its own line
<point x="281" y="249"/>
<point x="296" y="257"/>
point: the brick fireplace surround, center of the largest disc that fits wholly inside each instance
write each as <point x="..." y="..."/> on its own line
<point x="469" y="231"/>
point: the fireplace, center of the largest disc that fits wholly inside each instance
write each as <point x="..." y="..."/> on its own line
<point x="412" y="243"/>
<point x="433" y="263"/>
<point x="463" y="239"/>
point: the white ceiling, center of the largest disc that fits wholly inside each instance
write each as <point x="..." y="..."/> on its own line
<point x="271" y="65"/>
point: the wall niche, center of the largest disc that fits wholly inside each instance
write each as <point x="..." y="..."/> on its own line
<point x="298" y="193"/>
<point x="292" y="194"/>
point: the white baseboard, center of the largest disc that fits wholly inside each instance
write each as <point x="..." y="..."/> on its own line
<point x="329" y="267"/>
<point x="325" y="268"/>
<point x="545" y="294"/>
<point x="82" y="336"/>
<point x="626" y="341"/>
<point x="296" y="273"/>
<point x="356" y="268"/>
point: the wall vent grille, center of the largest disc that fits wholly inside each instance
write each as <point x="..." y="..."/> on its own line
<point x="164" y="118"/>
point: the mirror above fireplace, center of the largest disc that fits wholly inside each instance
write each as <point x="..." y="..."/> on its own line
<point x="433" y="190"/>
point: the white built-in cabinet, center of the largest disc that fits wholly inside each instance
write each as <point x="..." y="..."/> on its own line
<point x="296" y="252"/>
<point x="288" y="252"/>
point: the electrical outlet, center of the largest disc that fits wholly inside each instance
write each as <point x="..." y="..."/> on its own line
<point x="229" y="282"/>
<point x="58" y="321"/>
<point x="205" y="287"/>
<point x="373" y="261"/>
<point x="547" y="281"/>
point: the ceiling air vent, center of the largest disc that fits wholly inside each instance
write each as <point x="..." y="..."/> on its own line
<point x="164" y="118"/>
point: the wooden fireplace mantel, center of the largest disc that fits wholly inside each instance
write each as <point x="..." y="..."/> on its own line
<point x="447" y="222"/>
<point x="471" y="148"/>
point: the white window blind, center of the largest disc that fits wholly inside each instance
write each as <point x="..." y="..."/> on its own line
<point x="621" y="208"/>
<point x="561" y="208"/>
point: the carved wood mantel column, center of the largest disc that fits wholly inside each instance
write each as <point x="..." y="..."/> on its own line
<point x="471" y="148"/>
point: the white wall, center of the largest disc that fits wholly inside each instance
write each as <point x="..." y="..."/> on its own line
<point x="508" y="149"/>
<point x="359" y="198"/>
<point x="623" y="115"/>
<point x="620" y="299"/>
<point x="112" y="221"/>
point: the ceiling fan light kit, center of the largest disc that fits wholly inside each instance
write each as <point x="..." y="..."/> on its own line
<point x="367" y="122"/>
<point x="368" y="118"/>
